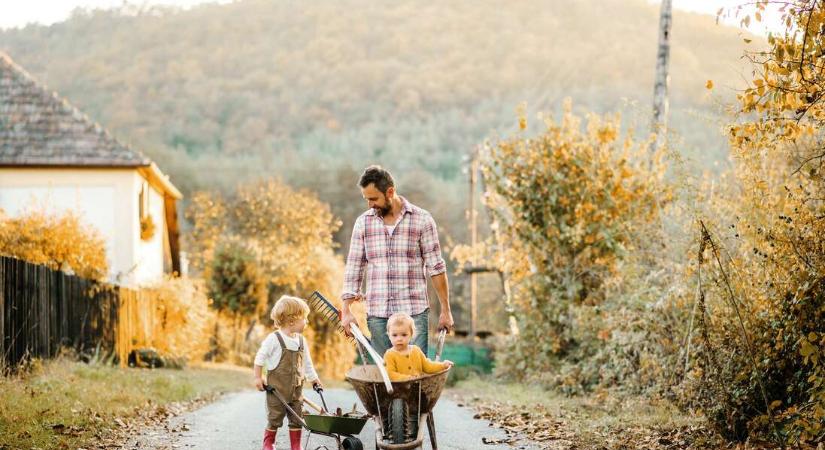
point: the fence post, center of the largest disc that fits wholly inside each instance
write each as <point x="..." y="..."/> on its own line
<point x="45" y="322"/>
<point x="3" y="284"/>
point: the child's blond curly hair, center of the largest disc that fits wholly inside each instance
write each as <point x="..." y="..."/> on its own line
<point x="401" y="319"/>
<point x="288" y="309"/>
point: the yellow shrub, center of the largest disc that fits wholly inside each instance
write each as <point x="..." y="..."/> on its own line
<point x="60" y="242"/>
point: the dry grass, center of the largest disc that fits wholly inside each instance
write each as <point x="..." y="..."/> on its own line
<point x="64" y="404"/>
<point x="602" y="420"/>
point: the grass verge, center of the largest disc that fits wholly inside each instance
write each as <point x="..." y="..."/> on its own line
<point x="602" y="420"/>
<point x="69" y="405"/>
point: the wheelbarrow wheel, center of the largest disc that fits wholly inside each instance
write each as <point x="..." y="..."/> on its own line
<point x="352" y="443"/>
<point x="398" y="418"/>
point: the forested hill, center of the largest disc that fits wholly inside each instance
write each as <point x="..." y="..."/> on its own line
<point x="312" y="91"/>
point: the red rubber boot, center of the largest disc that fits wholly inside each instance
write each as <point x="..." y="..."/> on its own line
<point x="295" y="439"/>
<point x="269" y="440"/>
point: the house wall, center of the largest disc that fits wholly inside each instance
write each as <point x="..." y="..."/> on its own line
<point x="106" y="199"/>
<point x="150" y="253"/>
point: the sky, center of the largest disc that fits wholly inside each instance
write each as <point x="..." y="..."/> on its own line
<point x="18" y="13"/>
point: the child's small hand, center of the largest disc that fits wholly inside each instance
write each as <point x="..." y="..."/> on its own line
<point x="259" y="383"/>
<point x="317" y="385"/>
<point x="448" y="363"/>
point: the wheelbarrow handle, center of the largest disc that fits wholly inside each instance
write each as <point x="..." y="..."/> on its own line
<point x="440" y="343"/>
<point x="283" y="401"/>
<point x="379" y="361"/>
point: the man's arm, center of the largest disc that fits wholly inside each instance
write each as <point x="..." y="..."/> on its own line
<point x="442" y="290"/>
<point x="437" y="270"/>
<point x="353" y="274"/>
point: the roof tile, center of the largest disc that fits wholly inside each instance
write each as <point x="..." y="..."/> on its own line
<point x="39" y="128"/>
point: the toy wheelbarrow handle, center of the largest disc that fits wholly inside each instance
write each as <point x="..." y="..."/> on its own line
<point x="440" y="343"/>
<point x="283" y="401"/>
<point x="320" y="392"/>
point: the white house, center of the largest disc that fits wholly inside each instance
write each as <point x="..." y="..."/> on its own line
<point x="54" y="157"/>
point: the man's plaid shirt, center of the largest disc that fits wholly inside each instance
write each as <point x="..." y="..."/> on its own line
<point x="397" y="265"/>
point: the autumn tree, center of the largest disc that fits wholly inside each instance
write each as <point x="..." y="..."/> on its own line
<point x="236" y="284"/>
<point x="267" y="230"/>
<point x="59" y="241"/>
<point x="566" y="203"/>
<point x="760" y="360"/>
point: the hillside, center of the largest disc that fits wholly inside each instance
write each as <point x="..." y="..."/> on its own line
<point x="313" y="92"/>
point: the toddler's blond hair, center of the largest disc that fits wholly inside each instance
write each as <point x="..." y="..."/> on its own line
<point x="401" y="319"/>
<point x="288" y="309"/>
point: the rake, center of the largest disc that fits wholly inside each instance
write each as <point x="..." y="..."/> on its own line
<point x="324" y="307"/>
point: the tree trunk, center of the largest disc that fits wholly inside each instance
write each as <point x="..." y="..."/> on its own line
<point x="235" y="346"/>
<point x="660" y="103"/>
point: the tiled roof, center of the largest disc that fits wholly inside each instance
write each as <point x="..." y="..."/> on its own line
<point x="39" y="128"/>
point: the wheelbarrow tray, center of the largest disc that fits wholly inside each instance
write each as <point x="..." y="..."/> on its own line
<point x="367" y="382"/>
<point x="335" y="424"/>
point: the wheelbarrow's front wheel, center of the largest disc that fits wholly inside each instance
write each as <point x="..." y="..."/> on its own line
<point x="398" y="419"/>
<point x="352" y="443"/>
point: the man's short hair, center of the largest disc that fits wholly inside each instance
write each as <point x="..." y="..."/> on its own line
<point x="378" y="176"/>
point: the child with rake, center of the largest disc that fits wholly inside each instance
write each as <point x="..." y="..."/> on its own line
<point x="285" y="356"/>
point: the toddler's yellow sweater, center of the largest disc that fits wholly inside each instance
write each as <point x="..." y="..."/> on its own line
<point x="402" y="367"/>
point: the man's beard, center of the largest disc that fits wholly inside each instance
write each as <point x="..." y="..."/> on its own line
<point x="384" y="210"/>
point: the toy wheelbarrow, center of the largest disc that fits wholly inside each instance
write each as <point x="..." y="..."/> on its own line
<point x="343" y="428"/>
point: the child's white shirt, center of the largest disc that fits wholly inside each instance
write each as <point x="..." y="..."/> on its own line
<point x="269" y="355"/>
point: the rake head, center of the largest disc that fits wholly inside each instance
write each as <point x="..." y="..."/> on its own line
<point x="323" y="306"/>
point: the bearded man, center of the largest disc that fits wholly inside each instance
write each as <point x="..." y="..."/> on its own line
<point x="396" y="244"/>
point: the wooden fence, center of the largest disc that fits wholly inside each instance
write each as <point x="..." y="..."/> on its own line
<point x="42" y="310"/>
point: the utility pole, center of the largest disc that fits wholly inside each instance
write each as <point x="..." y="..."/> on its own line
<point x="660" y="87"/>
<point x="473" y="241"/>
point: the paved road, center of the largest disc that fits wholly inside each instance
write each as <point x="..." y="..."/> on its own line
<point x="237" y="421"/>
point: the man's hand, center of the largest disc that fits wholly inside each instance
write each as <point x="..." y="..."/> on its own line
<point x="317" y="385"/>
<point x="259" y="383"/>
<point x="445" y="321"/>
<point x="347" y="318"/>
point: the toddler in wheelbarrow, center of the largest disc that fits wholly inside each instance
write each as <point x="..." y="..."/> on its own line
<point x="401" y="389"/>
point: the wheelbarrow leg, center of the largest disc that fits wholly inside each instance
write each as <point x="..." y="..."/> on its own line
<point x="431" y="430"/>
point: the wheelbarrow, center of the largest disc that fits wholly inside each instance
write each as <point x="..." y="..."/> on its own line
<point x="343" y="428"/>
<point x="400" y="411"/>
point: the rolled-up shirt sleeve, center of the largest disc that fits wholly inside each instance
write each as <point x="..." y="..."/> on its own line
<point x="356" y="262"/>
<point x="431" y="248"/>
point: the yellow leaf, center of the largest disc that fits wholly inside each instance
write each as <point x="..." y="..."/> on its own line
<point x="709" y="84"/>
<point x="807" y="349"/>
<point x="776" y="404"/>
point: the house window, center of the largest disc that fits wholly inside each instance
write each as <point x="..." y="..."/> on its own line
<point x="143" y="200"/>
<point x="147" y="224"/>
